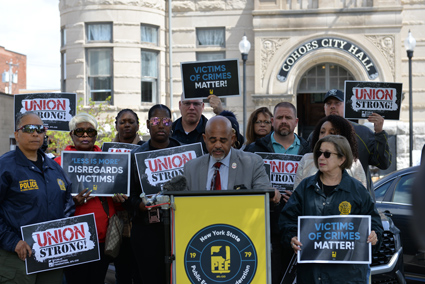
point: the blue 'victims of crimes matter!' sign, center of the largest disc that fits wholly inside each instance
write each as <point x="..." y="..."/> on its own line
<point x="204" y="78"/>
<point x="61" y="243"/>
<point x="334" y="239"/>
<point x="102" y="172"/>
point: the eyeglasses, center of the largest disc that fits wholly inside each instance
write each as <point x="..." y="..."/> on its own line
<point x="266" y="122"/>
<point x="30" y="128"/>
<point x="195" y="104"/>
<point x="327" y="155"/>
<point x="166" y="121"/>
<point x="79" y="132"/>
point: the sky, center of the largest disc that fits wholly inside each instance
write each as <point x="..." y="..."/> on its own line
<point x="32" y="28"/>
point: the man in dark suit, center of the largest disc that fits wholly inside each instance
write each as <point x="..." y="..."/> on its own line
<point x="237" y="169"/>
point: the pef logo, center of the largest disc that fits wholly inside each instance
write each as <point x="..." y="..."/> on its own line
<point x="222" y="254"/>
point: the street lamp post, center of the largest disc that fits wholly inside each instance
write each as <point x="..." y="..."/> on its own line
<point x="244" y="47"/>
<point x="409" y="44"/>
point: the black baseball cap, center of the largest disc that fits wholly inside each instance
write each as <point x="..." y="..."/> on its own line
<point x="339" y="95"/>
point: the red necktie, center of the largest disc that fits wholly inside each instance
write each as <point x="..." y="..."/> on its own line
<point x="216" y="182"/>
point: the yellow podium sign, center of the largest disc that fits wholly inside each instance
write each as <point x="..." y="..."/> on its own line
<point x="221" y="239"/>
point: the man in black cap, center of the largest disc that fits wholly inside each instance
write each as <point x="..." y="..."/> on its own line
<point x="373" y="147"/>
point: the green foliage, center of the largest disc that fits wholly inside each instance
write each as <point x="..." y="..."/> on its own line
<point x="106" y="127"/>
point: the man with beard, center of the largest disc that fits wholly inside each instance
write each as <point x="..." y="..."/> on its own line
<point x="224" y="167"/>
<point x="281" y="140"/>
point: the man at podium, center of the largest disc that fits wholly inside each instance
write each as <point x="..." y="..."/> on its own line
<point x="225" y="168"/>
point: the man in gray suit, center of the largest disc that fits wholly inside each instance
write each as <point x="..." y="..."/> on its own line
<point x="237" y="169"/>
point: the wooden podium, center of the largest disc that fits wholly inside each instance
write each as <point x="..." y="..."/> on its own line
<point x="220" y="236"/>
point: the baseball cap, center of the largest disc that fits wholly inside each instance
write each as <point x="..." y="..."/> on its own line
<point x="339" y="95"/>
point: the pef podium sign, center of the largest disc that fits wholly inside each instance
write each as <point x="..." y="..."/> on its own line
<point x="221" y="246"/>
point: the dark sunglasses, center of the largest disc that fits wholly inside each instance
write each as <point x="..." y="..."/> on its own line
<point x="166" y="121"/>
<point x="30" y="128"/>
<point x="327" y="155"/>
<point x="79" y="132"/>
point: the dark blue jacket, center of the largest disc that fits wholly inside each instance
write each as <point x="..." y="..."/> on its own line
<point x="192" y="137"/>
<point x="29" y="196"/>
<point x="309" y="200"/>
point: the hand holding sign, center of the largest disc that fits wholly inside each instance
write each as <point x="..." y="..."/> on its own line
<point x="378" y="122"/>
<point x="23" y="249"/>
<point x="295" y="244"/>
<point x="215" y="103"/>
<point x="372" y="238"/>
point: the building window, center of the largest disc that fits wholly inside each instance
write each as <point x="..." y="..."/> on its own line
<point x="323" y="77"/>
<point x="99" y="32"/>
<point x="149" y="34"/>
<point x="99" y="73"/>
<point x="210" y="37"/>
<point x="208" y="56"/>
<point x="63" y="71"/>
<point x="149" y="84"/>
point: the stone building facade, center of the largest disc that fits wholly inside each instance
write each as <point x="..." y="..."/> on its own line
<point x="300" y="49"/>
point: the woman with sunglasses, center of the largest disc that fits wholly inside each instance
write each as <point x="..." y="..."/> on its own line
<point x="83" y="133"/>
<point x="148" y="239"/>
<point x="337" y="125"/>
<point x="331" y="191"/>
<point x="33" y="189"/>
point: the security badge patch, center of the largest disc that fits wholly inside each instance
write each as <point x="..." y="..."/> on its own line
<point x="61" y="184"/>
<point x="345" y="208"/>
<point x="220" y="253"/>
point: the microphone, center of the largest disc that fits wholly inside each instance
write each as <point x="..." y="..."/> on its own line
<point x="177" y="183"/>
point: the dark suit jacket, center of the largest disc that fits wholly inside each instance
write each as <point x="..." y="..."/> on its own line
<point x="249" y="171"/>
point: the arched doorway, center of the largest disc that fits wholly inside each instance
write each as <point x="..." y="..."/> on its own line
<point x="311" y="90"/>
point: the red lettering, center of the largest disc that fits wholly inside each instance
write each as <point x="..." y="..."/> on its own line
<point x="179" y="161"/>
<point x="61" y="105"/>
<point x="41" y="244"/>
<point x="65" y="237"/>
<point x="186" y="158"/>
<point x="374" y="94"/>
<point x="163" y="164"/>
<point x="80" y="232"/>
<point x="28" y="108"/>
<point x="50" y="238"/>
<point x="153" y="169"/>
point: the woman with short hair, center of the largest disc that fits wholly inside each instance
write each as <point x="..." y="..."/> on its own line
<point x="83" y="132"/>
<point x="323" y="194"/>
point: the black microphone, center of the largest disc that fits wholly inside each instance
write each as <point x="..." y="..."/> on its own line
<point x="177" y="183"/>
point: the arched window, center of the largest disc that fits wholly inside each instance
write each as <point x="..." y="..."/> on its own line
<point x="323" y="77"/>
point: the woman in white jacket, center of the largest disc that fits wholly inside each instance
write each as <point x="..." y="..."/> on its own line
<point x="331" y="125"/>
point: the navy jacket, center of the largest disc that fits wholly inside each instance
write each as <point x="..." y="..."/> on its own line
<point x="309" y="200"/>
<point x="29" y="196"/>
<point x="192" y="137"/>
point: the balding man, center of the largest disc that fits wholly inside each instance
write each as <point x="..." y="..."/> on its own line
<point x="235" y="169"/>
<point x="190" y="127"/>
